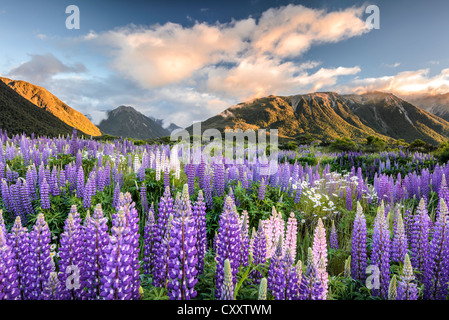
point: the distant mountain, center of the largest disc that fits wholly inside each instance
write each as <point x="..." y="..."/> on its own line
<point x="18" y="115"/>
<point x="48" y="102"/>
<point x="127" y="122"/>
<point x="436" y="104"/>
<point x="328" y="115"/>
<point x="170" y="128"/>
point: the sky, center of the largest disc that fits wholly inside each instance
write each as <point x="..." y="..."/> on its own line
<point x="185" y="61"/>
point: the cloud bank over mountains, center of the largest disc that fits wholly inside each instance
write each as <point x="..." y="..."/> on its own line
<point x="186" y="73"/>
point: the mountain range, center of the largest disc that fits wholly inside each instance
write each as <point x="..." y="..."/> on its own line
<point x="125" y="121"/>
<point x="43" y="99"/>
<point x="325" y="116"/>
<point x="328" y="115"/>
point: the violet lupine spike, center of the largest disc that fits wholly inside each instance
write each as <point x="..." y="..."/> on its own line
<point x="165" y="210"/>
<point x="95" y="241"/>
<point x="349" y="198"/>
<point x="71" y="264"/>
<point x="9" y="284"/>
<point x="45" y="198"/>
<point x="259" y="252"/>
<point x="437" y="271"/>
<point x="358" y="251"/>
<point x="208" y="191"/>
<point x="80" y="183"/>
<point x="298" y="193"/>
<point x="18" y="239"/>
<point x="199" y="213"/>
<point x="39" y="261"/>
<point x="227" y="291"/>
<point x="275" y="268"/>
<point x="310" y="287"/>
<point x="182" y="247"/>
<point x="227" y="244"/>
<point x="333" y="237"/>
<point x="150" y="235"/>
<point x="143" y="197"/>
<point x="53" y="288"/>
<point x="291" y="235"/>
<point x="117" y="275"/>
<point x="400" y="242"/>
<point x="407" y="288"/>
<point x="132" y="239"/>
<point x="380" y="255"/>
<point x="161" y="263"/>
<point x="288" y="280"/>
<point x="419" y="241"/>
<point x="320" y="253"/>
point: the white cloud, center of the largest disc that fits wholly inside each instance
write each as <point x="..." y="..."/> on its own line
<point x="41" y="68"/>
<point x="235" y="52"/>
<point x="181" y="74"/>
<point x="404" y="83"/>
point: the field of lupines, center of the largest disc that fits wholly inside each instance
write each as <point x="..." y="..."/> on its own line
<point x="88" y="220"/>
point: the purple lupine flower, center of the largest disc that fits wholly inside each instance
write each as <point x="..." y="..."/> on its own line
<point x="161" y="263"/>
<point x="298" y="193"/>
<point x="419" y="240"/>
<point x="182" y="250"/>
<point x="358" y="252"/>
<point x="71" y="264"/>
<point x="18" y="239"/>
<point x="53" y="288"/>
<point x="380" y="254"/>
<point x="80" y="183"/>
<point x="9" y="283"/>
<point x="310" y="287"/>
<point x="199" y="213"/>
<point x="39" y="262"/>
<point x="218" y="183"/>
<point x="407" y="288"/>
<point x="333" y="239"/>
<point x="117" y="275"/>
<point x="96" y="239"/>
<point x="190" y="172"/>
<point x="275" y="269"/>
<point x="165" y="210"/>
<point x="26" y="199"/>
<point x="161" y="241"/>
<point x="6" y="196"/>
<point x="166" y="177"/>
<point x="259" y="251"/>
<point x="45" y="199"/>
<point x="132" y="240"/>
<point x="437" y="271"/>
<point x="227" y="291"/>
<point x="143" y="197"/>
<point x="207" y="191"/>
<point x="287" y="282"/>
<point x="227" y="246"/>
<point x="261" y="194"/>
<point x="320" y="256"/>
<point x="89" y="191"/>
<point x="151" y="234"/>
<point x="349" y="198"/>
<point x="400" y="242"/>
